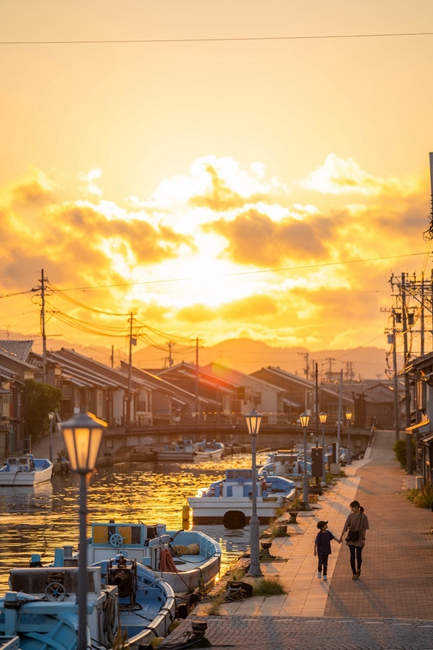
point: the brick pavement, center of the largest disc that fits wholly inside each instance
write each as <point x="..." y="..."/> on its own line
<point x="390" y="607"/>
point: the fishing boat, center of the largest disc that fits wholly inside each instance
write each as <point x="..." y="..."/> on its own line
<point x="25" y="471"/>
<point x="147" y="604"/>
<point x="186" y="560"/>
<point x="177" y="452"/>
<point x="41" y="609"/>
<point x="118" y="593"/>
<point x="285" y="462"/>
<point x="228" y="501"/>
<point x="208" y="450"/>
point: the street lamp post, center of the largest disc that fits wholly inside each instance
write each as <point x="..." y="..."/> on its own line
<point x="323" y="417"/>
<point x="305" y="418"/>
<point x="82" y="435"/>
<point x="51" y="418"/>
<point x="349" y="453"/>
<point x="253" y="423"/>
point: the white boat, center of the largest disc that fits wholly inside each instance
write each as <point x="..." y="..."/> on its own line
<point x="186" y="560"/>
<point x="228" y="501"/>
<point x="208" y="450"/>
<point x="189" y="451"/>
<point x="177" y="452"/>
<point x="285" y="463"/>
<point x="41" y="609"/>
<point x="25" y="471"/>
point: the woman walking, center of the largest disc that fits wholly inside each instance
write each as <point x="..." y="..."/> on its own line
<point x="356" y="525"/>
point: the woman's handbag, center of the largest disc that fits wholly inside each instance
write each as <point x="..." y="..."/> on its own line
<point x="352" y="536"/>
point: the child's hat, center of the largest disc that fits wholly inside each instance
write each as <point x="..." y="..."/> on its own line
<point x="320" y="524"/>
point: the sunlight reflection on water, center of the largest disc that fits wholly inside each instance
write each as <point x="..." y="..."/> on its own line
<point x="40" y="519"/>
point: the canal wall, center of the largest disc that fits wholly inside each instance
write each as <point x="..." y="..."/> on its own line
<point x="141" y="444"/>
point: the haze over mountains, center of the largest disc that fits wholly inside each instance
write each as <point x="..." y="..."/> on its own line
<point x="247" y="356"/>
<point x="243" y="354"/>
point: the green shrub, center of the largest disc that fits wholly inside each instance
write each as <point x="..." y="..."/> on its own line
<point x="422" y="498"/>
<point x="399" y="448"/>
<point x="268" y="587"/>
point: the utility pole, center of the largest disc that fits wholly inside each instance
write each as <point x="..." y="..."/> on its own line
<point x="409" y="468"/>
<point x="170" y="345"/>
<point x="196" y="381"/>
<point x="422" y="314"/>
<point x="394" y="363"/>
<point x="330" y="360"/>
<point x="132" y="342"/>
<point x="317" y="403"/>
<point x="44" y="337"/>
<point x="340" y="414"/>
<point x="307" y="367"/>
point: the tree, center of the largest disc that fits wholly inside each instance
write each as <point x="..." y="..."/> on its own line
<point x="399" y="449"/>
<point x="39" y="400"/>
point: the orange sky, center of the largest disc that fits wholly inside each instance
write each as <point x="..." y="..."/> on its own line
<point x="220" y="189"/>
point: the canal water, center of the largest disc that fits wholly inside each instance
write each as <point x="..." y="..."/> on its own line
<point x="37" y="520"/>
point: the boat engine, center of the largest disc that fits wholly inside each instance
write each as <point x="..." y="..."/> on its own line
<point x="123" y="573"/>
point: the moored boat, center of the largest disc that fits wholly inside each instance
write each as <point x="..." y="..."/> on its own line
<point x="205" y="450"/>
<point x="186" y="560"/>
<point x="41" y="609"/>
<point x="284" y="463"/>
<point x="147" y="603"/>
<point x="228" y="501"/>
<point x="177" y="452"/>
<point x="25" y="471"/>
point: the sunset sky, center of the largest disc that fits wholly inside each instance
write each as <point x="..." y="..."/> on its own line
<point x="220" y="187"/>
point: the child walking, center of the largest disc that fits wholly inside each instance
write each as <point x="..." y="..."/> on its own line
<point x="322" y="548"/>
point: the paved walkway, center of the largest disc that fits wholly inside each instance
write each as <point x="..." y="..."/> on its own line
<point x="389" y="607"/>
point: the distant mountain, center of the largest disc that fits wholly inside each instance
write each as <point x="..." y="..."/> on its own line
<point x="247" y="356"/>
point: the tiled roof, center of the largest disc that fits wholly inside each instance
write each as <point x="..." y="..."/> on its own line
<point x="18" y="349"/>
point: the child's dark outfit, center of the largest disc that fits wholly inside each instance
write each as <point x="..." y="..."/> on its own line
<point x="323" y="543"/>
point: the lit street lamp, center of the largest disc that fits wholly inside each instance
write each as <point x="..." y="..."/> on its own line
<point x="82" y="435"/>
<point x="253" y="423"/>
<point x="323" y="417"/>
<point x="305" y="418"/>
<point x="349" y="453"/>
<point x="51" y="418"/>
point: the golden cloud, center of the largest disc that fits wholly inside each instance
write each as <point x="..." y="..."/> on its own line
<point x="34" y="190"/>
<point x="221" y="198"/>
<point x="253" y="238"/>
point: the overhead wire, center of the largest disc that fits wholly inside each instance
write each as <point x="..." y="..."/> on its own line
<point x="223" y="39"/>
<point x="65" y="296"/>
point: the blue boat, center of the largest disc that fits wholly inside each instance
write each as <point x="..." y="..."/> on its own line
<point x="147" y="604"/>
<point x="186" y="560"/>
<point x="42" y="610"/>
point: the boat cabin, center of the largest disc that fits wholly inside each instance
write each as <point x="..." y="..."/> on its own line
<point x="54" y="583"/>
<point x="20" y="464"/>
<point x="117" y="535"/>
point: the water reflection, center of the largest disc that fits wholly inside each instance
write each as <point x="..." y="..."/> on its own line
<point x="37" y="520"/>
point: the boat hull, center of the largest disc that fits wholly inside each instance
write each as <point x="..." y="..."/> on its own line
<point x="218" y="510"/>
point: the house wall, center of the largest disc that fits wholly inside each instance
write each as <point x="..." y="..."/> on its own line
<point x="118" y="401"/>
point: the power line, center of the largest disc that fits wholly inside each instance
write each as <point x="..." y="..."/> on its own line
<point x="239" y="39"/>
